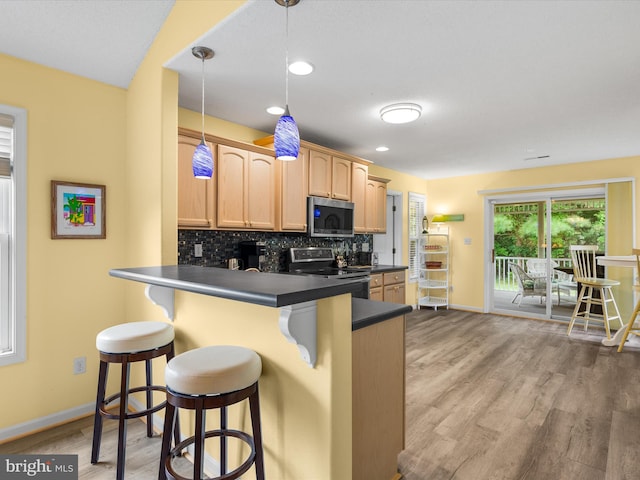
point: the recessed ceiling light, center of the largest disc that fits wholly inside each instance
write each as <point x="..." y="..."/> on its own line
<point x="275" y="110"/>
<point x="382" y="148"/>
<point x="401" y="113"/>
<point x="301" y="68"/>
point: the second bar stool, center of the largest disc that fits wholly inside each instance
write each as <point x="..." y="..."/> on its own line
<point x="125" y="344"/>
<point x="207" y="378"/>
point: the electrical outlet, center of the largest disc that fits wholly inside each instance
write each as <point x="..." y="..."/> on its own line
<point x="79" y="365"/>
<point x="197" y="250"/>
<point x="365" y="247"/>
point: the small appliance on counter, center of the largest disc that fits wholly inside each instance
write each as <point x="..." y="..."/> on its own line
<point x="252" y="254"/>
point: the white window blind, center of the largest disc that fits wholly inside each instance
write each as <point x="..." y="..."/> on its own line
<point x="6" y="145"/>
<point x="417" y="209"/>
<point x="6" y="336"/>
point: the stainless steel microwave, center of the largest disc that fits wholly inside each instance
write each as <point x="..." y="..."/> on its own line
<point x="329" y="218"/>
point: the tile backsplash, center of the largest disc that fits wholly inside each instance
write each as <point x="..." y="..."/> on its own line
<point x="218" y="246"/>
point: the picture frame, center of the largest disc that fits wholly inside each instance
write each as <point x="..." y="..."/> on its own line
<point x="77" y="210"/>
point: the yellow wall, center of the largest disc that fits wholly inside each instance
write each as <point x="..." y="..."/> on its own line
<point x="460" y="195"/>
<point x="76" y="132"/>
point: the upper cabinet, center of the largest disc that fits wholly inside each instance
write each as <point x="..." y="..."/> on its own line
<point x="376" y="206"/>
<point x="359" y="177"/>
<point x="329" y="176"/>
<point x="196" y="197"/>
<point x="247" y="187"/>
<point x="295" y="189"/>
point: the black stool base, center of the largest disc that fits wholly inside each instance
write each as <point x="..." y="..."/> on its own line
<point x="200" y="404"/>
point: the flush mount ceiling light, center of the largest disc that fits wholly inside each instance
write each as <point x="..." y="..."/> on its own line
<point x="401" y="113"/>
<point x="202" y="161"/>
<point x="382" y="148"/>
<point x="301" y="68"/>
<point x="286" y="139"/>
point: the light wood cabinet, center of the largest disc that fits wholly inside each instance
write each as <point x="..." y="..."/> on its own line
<point x="340" y="179"/>
<point x="359" y="177"/>
<point x="388" y="287"/>
<point x="196" y="197"/>
<point x="376" y="206"/>
<point x="394" y="289"/>
<point x="319" y="174"/>
<point x="378" y="398"/>
<point x="329" y="176"/>
<point x="375" y="287"/>
<point x="295" y="188"/>
<point x="247" y="183"/>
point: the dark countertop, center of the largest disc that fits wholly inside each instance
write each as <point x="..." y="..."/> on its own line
<point x="268" y="289"/>
<point x="368" y="312"/>
<point x="381" y="268"/>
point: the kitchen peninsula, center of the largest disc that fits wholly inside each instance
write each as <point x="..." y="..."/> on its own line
<point x="318" y="422"/>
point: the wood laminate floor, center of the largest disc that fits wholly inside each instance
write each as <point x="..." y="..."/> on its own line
<point x="488" y="398"/>
<point x="491" y="397"/>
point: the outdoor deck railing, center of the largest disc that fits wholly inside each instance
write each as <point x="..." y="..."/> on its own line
<point x="504" y="279"/>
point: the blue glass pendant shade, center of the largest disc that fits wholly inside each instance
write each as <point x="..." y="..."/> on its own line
<point x="286" y="139"/>
<point x="202" y="161"/>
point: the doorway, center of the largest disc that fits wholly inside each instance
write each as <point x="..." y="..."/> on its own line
<point x="531" y="234"/>
<point x="389" y="244"/>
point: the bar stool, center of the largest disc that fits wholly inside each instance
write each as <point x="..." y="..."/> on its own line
<point x="125" y="344"/>
<point x="207" y="378"/>
<point x="584" y="267"/>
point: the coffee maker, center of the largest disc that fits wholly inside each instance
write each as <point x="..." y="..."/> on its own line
<point x="252" y="254"/>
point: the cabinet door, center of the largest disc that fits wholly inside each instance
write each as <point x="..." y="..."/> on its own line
<point x="319" y="174"/>
<point x="376" y="211"/>
<point x="260" y="193"/>
<point x="232" y="173"/>
<point x="341" y="179"/>
<point x="295" y="188"/>
<point x="196" y="197"/>
<point x="359" y="177"/>
<point x="394" y="293"/>
<point x="376" y="294"/>
<point x="380" y="225"/>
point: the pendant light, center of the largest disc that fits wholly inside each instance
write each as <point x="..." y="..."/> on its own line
<point x="286" y="139"/>
<point x="202" y="161"/>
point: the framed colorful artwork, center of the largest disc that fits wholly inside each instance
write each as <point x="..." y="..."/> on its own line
<point x="77" y="210"/>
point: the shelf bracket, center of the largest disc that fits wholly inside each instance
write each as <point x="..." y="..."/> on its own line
<point x="298" y="324"/>
<point x="163" y="297"/>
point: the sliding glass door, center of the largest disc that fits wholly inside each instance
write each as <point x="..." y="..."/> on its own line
<point x="532" y="272"/>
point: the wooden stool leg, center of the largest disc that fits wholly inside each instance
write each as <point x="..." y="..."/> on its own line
<point x="254" y="407"/>
<point x="97" y="419"/>
<point x="176" y="426"/>
<point x="149" y="375"/>
<point x="198" y="461"/>
<point x="629" y="326"/>
<point x="576" y="310"/>
<point x="169" y="419"/>
<point x="122" y="420"/>
<point x="223" y="441"/>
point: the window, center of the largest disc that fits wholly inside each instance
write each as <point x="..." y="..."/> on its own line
<point x="416" y="213"/>
<point x="13" y="123"/>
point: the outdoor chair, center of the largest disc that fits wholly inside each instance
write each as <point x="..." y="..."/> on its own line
<point x="562" y="282"/>
<point x="528" y="286"/>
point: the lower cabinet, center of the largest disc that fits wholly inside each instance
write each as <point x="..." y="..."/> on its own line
<point x="378" y="396"/>
<point x="388" y="287"/>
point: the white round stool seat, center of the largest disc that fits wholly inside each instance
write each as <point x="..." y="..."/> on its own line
<point x="213" y="370"/>
<point x="134" y="337"/>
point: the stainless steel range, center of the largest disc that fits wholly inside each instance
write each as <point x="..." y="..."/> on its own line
<point x="319" y="261"/>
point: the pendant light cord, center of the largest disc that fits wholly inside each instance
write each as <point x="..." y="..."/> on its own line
<point x="286" y="72"/>
<point x="203" y="97"/>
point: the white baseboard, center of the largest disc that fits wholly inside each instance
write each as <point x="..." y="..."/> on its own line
<point x="48" y="421"/>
